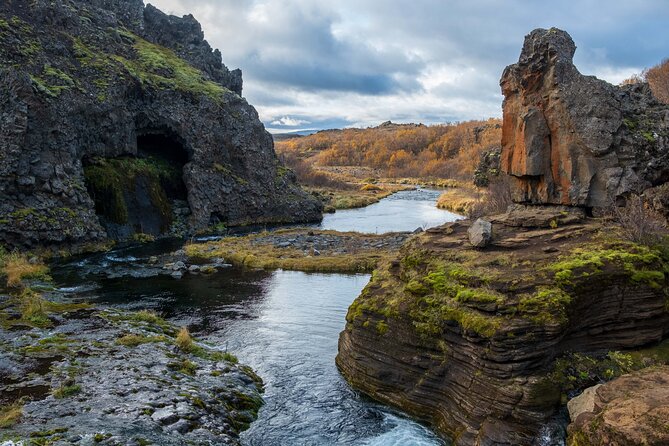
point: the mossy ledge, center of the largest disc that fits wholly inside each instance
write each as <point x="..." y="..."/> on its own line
<point x="481" y="343"/>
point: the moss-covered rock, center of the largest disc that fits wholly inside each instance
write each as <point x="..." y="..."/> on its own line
<point x="83" y="81"/>
<point x="486" y="344"/>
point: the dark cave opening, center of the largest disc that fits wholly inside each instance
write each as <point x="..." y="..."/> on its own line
<point x="142" y="194"/>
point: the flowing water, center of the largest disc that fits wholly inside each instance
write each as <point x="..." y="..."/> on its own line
<point x="283" y="324"/>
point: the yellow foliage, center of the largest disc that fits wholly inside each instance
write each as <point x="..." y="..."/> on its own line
<point x="446" y="151"/>
<point x="17" y="267"/>
<point x="184" y="340"/>
<point x="10" y="415"/>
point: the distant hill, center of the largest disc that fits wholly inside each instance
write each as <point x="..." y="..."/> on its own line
<point x="398" y="150"/>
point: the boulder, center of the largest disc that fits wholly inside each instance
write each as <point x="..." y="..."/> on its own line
<point x="630" y="410"/>
<point x="571" y="139"/>
<point x="480" y="233"/>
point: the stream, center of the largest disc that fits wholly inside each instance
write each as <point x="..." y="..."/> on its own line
<point x="284" y="324"/>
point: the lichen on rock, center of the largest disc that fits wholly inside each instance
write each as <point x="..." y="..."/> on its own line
<point x="576" y="140"/>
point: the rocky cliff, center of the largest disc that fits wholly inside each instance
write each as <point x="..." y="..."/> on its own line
<point x="469" y="339"/>
<point x="116" y="119"/>
<point x="573" y="139"/>
<point x="485" y="329"/>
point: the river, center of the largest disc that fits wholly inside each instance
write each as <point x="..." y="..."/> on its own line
<point x="283" y="324"/>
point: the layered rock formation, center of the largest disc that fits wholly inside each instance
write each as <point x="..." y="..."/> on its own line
<point x="466" y="339"/>
<point x="111" y="83"/>
<point x="630" y="410"/>
<point x="576" y="140"/>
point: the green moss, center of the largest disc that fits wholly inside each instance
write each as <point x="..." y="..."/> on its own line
<point x="648" y="136"/>
<point x="637" y="261"/>
<point x="381" y="327"/>
<point x="546" y="305"/>
<point x="133" y="340"/>
<point x="416" y="287"/>
<point x="49" y="433"/>
<point x="143" y="238"/>
<point x="161" y="68"/>
<point x="224" y="170"/>
<point x="100" y="437"/>
<point x="50" y="90"/>
<point x="186" y="367"/>
<point x="59" y="75"/>
<point x="109" y="179"/>
<point x="432" y="312"/>
<point x="478" y="295"/>
<point x="66" y="391"/>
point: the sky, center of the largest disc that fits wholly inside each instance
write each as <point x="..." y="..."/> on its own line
<point x="316" y="64"/>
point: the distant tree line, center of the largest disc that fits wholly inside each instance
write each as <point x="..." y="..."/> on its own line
<point x="398" y="150"/>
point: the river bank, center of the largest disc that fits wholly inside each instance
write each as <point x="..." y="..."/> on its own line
<point x="283" y="324"/>
<point x="79" y="373"/>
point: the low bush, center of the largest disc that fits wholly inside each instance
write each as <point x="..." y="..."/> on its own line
<point x="640" y="223"/>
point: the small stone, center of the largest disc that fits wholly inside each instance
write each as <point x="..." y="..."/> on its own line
<point x="480" y="233"/>
<point x="165" y="416"/>
<point x="316" y="252"/>
<point x="152" y="260"/>
<point x="178" y="266"/>
<point x="177" y="274"/>
<point x="193" y="268"/>
<point x="181" y="426"/>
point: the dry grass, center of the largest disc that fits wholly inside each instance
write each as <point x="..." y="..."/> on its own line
<point x="639" y="222"/>
<point x="335" y="199"/>
<point x="460" y="200"/>
<point x="10" y="415"/>
<point x="184" y="340"/>
<point x="495" y="200"/>
<point x="16" y="267"/>
<point x="243" y="251"/>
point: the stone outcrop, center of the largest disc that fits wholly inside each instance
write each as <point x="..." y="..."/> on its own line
<point x="630" y="410"/>
<point x="576" y="140"/>
<point x="116" y="85"/>
<point x="467" y="339"/>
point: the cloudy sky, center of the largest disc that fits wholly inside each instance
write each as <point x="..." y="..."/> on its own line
<point x="313" y="64"/>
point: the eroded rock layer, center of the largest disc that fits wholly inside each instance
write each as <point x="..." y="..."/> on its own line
<point x="467" y="339"/>
<point x="576" y="140"/>
<point x="82" y="82"/>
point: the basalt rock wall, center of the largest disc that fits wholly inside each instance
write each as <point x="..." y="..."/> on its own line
<point x="82" y="81"/>
<point x="576" y="140"/>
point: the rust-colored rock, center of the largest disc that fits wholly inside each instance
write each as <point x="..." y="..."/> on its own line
<point x="630" y="410"/>
<point x="576" y="140"/>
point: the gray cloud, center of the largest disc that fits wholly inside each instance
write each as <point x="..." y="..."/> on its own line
<point x="360" y="62"/>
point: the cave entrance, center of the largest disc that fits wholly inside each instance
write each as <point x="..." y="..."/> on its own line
<point x="142" y="194"/>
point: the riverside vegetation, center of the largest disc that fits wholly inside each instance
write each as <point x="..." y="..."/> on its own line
<point x="72" y="371"/>
<point x="356" y="167"/>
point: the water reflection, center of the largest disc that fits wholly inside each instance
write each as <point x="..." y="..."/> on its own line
<point x="283" y="324"/>
<point x="403" y="211"/>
